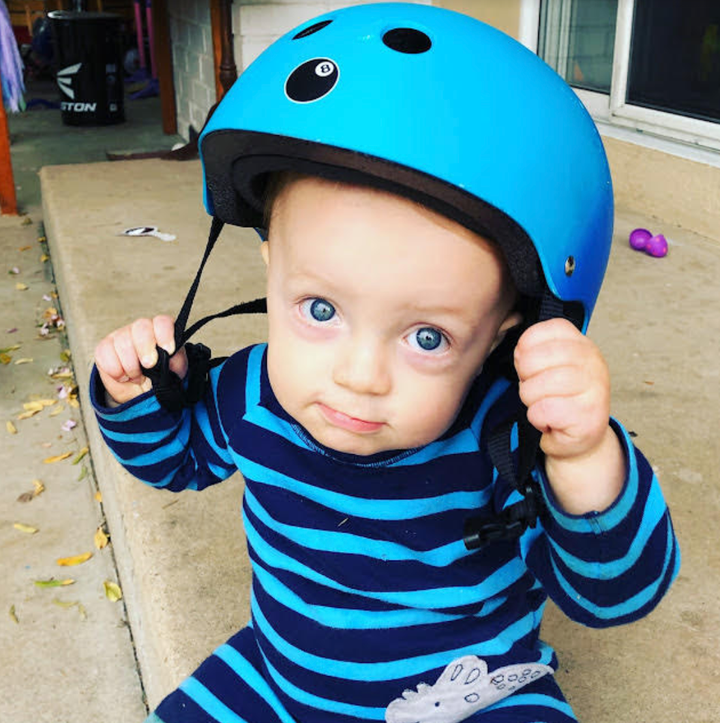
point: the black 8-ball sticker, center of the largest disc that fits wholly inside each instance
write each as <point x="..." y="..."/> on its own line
<point x="312" y="80"/>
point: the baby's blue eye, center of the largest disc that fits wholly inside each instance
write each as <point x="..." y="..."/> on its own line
<point x="428" y="338"/>
<point x="322" y="310"/>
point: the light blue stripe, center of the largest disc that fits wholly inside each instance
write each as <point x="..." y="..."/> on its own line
<point x="492" y="585"/>
<point x="302" y="696"/>
<point x="372" y="509"/>
<point x="247" y="672"/>
<point x="138" y="437"/>
<point x="462" y="443"/>
<point x="209" y="702"/>
<point x="357" y="619"/>
<point x="252" y="381"/>
<point x="617" y="512"/>
<point x="346" y="618"/>
<point x="391" y="670"/>
<point x="343" y="542"/>
<point x="629" y="606"/>
<point x="204" y="425"/>
<point x="536" y="699"/>
<point x="141" y="406"/>
<point x="652" y="515"/>
<point x="178" y="444"/>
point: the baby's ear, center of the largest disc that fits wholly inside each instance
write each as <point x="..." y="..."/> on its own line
<point x="265" y="252"/>
<point x="512" y="320"/>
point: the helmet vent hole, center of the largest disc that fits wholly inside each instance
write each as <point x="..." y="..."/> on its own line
<point x="407" y="40"/>
<point x="312" y="29"/>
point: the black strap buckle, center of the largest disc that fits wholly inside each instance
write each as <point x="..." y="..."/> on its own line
<point x="508" y="525"/>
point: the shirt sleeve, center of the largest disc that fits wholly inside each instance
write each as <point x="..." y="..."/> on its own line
<point x="169" y="450"/>
<point x="612" y="567"/>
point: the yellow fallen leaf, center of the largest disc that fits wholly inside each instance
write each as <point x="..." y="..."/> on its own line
<point x="52" y="582"/>
<point x="24" y="248"/>
<point x="7" y="349"/>
<point x="74" y="403"/>
<point x="39" y="404"/>
<point x="27" y="415"/>
<point x="39" y="487"/>
<point x="57" y="410"/>
<point x="83" y="475"/>
<point x="98" y="496"/>
<point x="21" y="287"/>
<point x="5" y="358"/>
<point x="11" y="428"/>
<point x="112" y="591"/>
<point x="80" y="455"/>
<point x="12" y="614"/>
<point x="24" y="361"/>
<point x="100" y="538"/>
<point x="74" y="560"/>
<point x="65" y="355"/>
<point x="42" y="239"/>
<point x="29" y="529"/>
<point x="44" y="258"/>
<point x="57" y="458"/>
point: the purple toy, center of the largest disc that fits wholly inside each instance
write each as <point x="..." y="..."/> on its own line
<point x="642" y="240"/>
<point x="639" y="238"/>
<point x="657" y="246"/>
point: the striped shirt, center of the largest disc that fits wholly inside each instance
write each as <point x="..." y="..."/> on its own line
<point x="362" y="585"/>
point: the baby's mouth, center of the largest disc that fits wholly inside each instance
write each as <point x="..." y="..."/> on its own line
<point x="345" y="421"/>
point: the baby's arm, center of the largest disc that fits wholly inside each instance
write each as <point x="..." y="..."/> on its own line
<point x="120" y="355"/>
<point x="174" y="450"/>
<point x="565" y="384"/>
<point x="606" y="552"/>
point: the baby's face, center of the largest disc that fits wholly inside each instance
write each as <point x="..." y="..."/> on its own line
<point x="381" y="314"/>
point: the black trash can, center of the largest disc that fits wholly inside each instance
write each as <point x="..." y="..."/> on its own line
<point x="88" y="57"/>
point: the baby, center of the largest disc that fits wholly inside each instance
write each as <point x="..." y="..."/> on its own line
<point x="417" y="328"/>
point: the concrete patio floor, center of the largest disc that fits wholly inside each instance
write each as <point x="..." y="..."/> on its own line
<point x="182" y="560"/>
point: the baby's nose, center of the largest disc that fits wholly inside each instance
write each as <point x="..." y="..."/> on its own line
<point x="362" y="367"/>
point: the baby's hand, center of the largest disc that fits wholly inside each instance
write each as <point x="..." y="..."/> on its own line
<point x="565" y="385"/>
<point x="119" y="356"/>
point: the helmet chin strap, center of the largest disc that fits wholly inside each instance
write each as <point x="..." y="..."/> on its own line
<point x="172" y="393"/>
<point x="515" y="464"/>
<point x="515" y="467"/>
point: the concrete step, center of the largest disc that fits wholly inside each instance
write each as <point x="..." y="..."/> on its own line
<point x="181" y="558"/>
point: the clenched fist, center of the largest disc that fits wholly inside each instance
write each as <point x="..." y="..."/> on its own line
<point x="120" y="355"/>
<point x="565" y="385"/>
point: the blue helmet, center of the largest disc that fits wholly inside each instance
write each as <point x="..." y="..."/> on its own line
<point x="435" y="106"/>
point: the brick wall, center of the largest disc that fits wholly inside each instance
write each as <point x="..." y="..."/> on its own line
<point x="256" y="24"/>
<point x="192" y="62"/>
